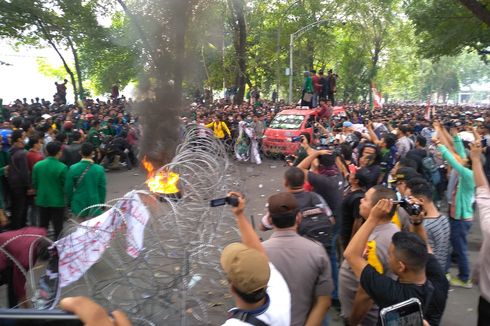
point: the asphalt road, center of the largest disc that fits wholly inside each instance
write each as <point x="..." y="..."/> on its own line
<point x="260" y="181"/>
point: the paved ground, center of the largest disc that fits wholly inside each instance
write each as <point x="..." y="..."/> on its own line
<point x="266" y="179"/>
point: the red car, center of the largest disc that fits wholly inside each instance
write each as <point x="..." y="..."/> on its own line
<point x="286" y="126"/>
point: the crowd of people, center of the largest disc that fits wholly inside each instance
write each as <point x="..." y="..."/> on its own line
<point x="49" y="165"/>
<point x="386" y="195"/>
<point x="394" y="191"/>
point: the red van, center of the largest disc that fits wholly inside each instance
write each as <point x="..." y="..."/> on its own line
<point x="287" y="124"/>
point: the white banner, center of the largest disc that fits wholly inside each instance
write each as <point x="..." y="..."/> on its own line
<point x="82" y="248"/>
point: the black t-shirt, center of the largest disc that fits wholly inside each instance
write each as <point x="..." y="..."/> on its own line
<point x="374" y="172"/>
<point x="331" y="189"/>
<point x="386" y="292"/>
<point x="418" y="156"/>
<point x="350" y="212"/>
<point x="307" y="199"/>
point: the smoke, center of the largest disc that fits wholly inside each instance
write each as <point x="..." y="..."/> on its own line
<point x="158" y="111"/>
<point x="162" y="26"/>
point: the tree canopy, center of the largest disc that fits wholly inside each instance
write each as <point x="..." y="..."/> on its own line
<point x="409" y="49"/>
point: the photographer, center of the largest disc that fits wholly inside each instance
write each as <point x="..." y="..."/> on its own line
<point x="435" y="223"/>
<point x="260" y="292"/>
<point x="301" y="153"/>
<point x="356" y="304"/>
<point x="410" y="258"/>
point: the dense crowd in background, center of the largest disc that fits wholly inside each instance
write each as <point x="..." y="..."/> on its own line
<point x="402" y="178"/>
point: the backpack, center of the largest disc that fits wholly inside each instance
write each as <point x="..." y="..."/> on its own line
<point x="317" y="223"/>
<point x="431" y="170"/>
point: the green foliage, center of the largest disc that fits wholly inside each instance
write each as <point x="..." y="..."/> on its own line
<point x="445" y="27"/>
<point x="110" y="58"/>
<point x="388" y="42"/>
<point x="56" y="73"/>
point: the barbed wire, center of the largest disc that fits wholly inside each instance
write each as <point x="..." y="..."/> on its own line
<point x="176" y="279"/>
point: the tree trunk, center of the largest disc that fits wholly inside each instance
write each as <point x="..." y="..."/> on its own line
<point x="239" y="26"/>
<point x="374" y="67"/>
<point x="478" y="9"/>
<point x="81" y="91"/>
<point x="65" y="64"/>
<point x="180" y="21"/>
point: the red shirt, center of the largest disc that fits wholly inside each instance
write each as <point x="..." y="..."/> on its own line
<point x="19" y="249"/>
<point x="33" y="157"/>
<point x="316" y="84"/>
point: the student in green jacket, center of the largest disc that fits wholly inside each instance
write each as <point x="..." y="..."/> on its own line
<point x="48" y="179"/>
<point x="85" y="184"/>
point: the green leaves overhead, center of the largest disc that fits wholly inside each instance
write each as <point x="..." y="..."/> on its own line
<point x="408" y="48"/>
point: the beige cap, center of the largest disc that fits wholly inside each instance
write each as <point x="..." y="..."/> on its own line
<point x="247" y="269"/>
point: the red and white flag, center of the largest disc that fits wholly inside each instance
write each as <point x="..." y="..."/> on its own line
<point x="377" y="98"/>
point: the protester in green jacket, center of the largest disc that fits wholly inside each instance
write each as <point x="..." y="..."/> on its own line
<point x="85" y="184"/>
<point x="307" y="94"/>
<point x="48" y="179"/>
<point x="93" y="134"/>
<point x="462" y="218"/>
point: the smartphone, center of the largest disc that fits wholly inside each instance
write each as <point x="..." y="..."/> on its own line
<point x="406" y="313"/>
<point x="217" y="202"/>
<point x="35" y="317"/>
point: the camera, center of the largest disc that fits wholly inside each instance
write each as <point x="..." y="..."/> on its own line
<point x="230" y="200"/>
<point x="411" y="209"/>
<point x="296" y="139"/>
<point x="291" y="158"/>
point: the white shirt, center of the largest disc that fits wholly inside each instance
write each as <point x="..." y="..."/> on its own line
<point x="279" y="311"/>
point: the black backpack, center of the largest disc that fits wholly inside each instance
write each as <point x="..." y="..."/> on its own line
<point x="316" y="224"/>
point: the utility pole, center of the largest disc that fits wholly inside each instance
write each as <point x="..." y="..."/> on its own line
<point x="278" y="45"/>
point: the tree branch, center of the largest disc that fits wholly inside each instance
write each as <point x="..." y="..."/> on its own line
<point x="478" y="9"/>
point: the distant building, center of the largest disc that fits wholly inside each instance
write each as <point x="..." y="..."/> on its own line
<point x="475" y="94"/>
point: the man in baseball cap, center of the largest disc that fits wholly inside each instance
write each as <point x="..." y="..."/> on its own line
<point x="261" y="294"/>
<point x="402" y="176"/>
<point x="303" y="263"/>
<point x="247" y="269"/>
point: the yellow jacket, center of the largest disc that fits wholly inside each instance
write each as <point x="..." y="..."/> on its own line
<point x="219" y="129"/>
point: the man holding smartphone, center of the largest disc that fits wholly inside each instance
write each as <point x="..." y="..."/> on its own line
<point x="260" y="292"/>
<point x="410" y="258"/>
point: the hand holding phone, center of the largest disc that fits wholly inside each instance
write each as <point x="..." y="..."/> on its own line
<point x="92" y="314"/>
<point x="408" y="312"/>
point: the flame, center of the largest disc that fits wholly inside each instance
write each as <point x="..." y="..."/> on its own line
<point x="161" y="181"/>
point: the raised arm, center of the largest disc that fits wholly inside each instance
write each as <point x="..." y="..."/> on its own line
<point x="459" y="147"/>
<point x="449" y="157"/>
<point x="248" y="235"/>
<point x="354" y="251"/>
<point x="479" y="174"/>
<point x="372" y="134"/>
<point x="443" y="136"/>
